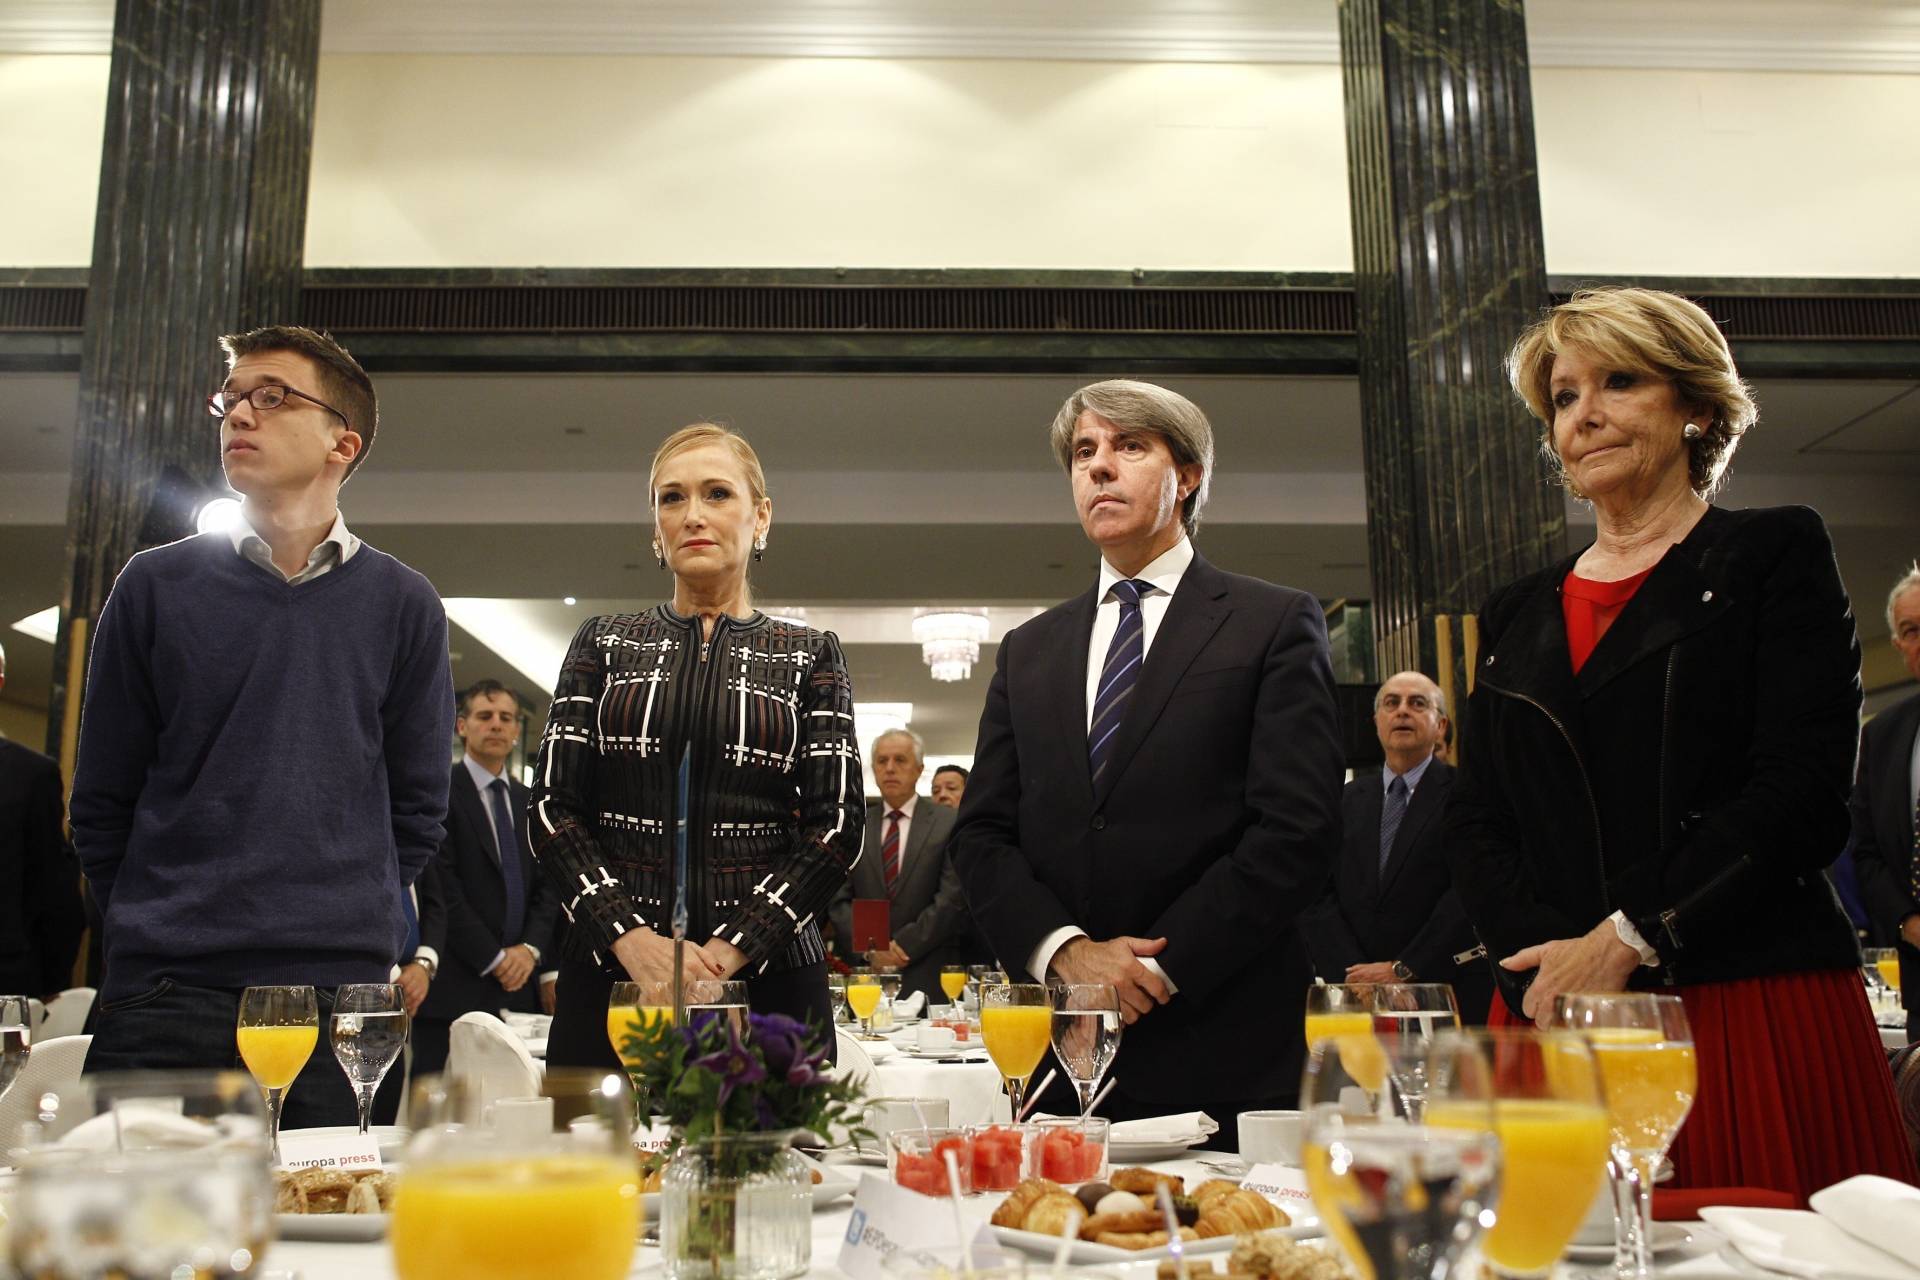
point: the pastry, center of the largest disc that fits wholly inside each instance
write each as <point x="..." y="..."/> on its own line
<point x="1236" y="1212"/>
<point x="1142" y="1182"/>
<point x="1092" y="1193"/>
<point x="1013" y="1210"/>
<point x="1055" y="1214"/>
<point x="1213" y="1187"/>
<point x="1140" y="1239"/>
<point x="1138" y="1220"/>
<point x="1272" y="1256"/>
<point x="1118" y="1202"/>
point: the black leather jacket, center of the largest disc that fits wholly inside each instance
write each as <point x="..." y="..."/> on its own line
<point x="1693" y="775"/>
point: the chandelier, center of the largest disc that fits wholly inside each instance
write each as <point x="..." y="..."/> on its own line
<point x="950" y="640"/>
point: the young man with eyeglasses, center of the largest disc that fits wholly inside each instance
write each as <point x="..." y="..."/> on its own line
<point x="263" y="751"/>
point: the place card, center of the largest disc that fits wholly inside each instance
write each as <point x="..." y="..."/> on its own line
<point x="317" y="1149"/>
<point x="1285" y="1186"/>
<point x="892" y="1230"/>
<point x="655" y="1137"/>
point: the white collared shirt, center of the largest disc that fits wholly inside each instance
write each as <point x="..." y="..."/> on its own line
<point x="1163" y="576"/>
<point x="334" y="550"/>
<point x="1413" y="775"/>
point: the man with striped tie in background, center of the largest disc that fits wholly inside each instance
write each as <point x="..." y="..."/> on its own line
<point x="1156" y="788"/>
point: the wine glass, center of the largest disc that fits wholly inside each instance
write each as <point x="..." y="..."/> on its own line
<point x="1645" y="1051"/>
<point x="1086" y="1034"/>
<point x="278" y="1027"/>
<point x="369" y="1031"/>
<point x="1402" y="1200"/>
<point x="863" y="997"/>
<point x="953" y="981"/>
<point x="16" y="1037"/>
<point x="1551" y="1115"/>
<point x="143" y="1173"/>
<point x="1344" y="1013"/>
<point x="1016" y="1021"/>
<point x="1406" y="1017"/>
<point x="488" y="1189"/>
<point x="837" y="996"/>
<point x="718" y="997"/>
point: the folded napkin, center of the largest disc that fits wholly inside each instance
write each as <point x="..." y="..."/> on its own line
<point x="1190" y="1126"/>
<point x="1804" y="1244"/>
<point x="150" y="1129"/>
<point x="910" y="1006"/>
<point x="1880" y="1211"/>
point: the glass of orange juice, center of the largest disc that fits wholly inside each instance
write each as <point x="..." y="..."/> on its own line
<point x="521" y="1188"/>
<point x="953" y="981"/>
<point x="632" y="1007"/>
<point x="863" y="997"/>
<point x="276" y="1031"/>
<point x="1016" y="1023"/>
<point x="1644" y="1047"/>
<point x="1551" y="1115"/>
<point x="1402" y="1199"/>
<point x="1344" y="1013"/>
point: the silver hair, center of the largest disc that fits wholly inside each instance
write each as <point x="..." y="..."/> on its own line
<point x="1142" y="406"/>
<point x="1439" y="694"/>
<point x="1908" y="582"/>
<point x="919" y="744"/>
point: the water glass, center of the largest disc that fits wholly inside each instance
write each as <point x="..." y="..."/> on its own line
<point x="1086" y="1034"/>
<point x="1406" y="1018"/>
<point x="16" y="1040"/>
<point x="369" y="1031"/>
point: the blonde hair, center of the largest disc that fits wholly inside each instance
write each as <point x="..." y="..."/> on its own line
<point x="1142" y="406"/>
<point x="705" y="433"/>
<point x="1653" y="334"/>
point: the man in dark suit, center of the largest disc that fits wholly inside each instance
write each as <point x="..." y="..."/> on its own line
<point x="1390" y="913"/>
<point x="905" y="861"/>
<point x="1155" y="793"/>
<point x="499" y="911"/>
<point x="40" y="914"/>
<point x="1886" y="805"/>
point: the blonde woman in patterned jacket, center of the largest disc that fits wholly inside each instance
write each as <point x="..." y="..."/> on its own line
<point x="775" y="809"/>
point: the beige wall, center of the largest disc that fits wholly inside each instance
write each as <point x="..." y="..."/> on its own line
<point x="633" y="161"/>
<point x="23" y="724"/>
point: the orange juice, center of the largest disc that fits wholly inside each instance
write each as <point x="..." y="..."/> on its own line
<point x="1553" y="1156"/>
<point x="1889" y="967"/>
<point x="504" y="1220"/>
<point x="275" y="1054"/>
<point x="953" y="984"/>
<point x="1361" y="1054"/>
<point x="863" y="998"/>
<point x="623" y="1019"/>
<point x="1649" y="1084"/>
<point x="1337" y="1199"/>
<point x="1017" y="1037"/>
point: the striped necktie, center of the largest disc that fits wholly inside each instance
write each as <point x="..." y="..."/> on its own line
<point x="890" y="850"/>
<point x="1118" y="675"/>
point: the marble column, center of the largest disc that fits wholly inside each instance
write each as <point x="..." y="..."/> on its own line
<point x="198" y="232"/>
<point x="1448" y="269"/>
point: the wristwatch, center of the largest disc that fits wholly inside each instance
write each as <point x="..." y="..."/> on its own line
<point x="426" y="964"/>
<point x="1401" y="972"/>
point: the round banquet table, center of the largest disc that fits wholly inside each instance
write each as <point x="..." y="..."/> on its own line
<point x="971" y="1085"/>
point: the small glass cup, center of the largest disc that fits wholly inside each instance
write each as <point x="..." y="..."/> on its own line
<point x="1002" y="1154"/>
<point x="1071" y="1151"/>
<point x="917" y="1160"/>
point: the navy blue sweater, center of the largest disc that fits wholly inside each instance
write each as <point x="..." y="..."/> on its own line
<point x="262" y="767"/>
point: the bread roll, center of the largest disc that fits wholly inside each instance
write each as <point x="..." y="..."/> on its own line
<point x="1055" y="1214"/>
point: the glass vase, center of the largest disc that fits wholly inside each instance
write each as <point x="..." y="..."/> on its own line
<point x="736" y="1207"/>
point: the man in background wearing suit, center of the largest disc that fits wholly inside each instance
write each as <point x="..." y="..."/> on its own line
<point x="1155" y="792"/>
<point x="906" y="862"/>
<point x="1390" y="913"/>
<point x="499" y="912"/>
<point x="40" y="914"/>
<point x="1886" y="805"/>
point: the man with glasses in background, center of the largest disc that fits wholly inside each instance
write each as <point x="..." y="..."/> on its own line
<point x="262" y="767"/>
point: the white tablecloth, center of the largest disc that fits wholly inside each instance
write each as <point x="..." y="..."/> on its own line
<point x="972" y="1089"/>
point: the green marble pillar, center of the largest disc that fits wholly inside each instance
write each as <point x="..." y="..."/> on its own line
<point x="199" y="231"/>
<point x="1448" y="268"/>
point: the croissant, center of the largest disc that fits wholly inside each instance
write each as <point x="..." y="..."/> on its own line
<point x="1231" y="1214"/>
<point x="1013" y="1210"/>
<point x="1054" y="1213"/>
<point x="1138" y="1220"/>
<point x="1211" y="1188"/>
<point x="1140" y="1239"/>
<point x="1143" y="1181"/>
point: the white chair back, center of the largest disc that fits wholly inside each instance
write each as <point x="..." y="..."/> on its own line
<point x="67" y="1013"/>
<point x="852" y="1061"/>
<point x="38" y="1010"/>
<point x="50" y="1064"/>
<point x="494" y="1061"/>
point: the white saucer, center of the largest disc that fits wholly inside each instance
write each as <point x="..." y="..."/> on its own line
<point x="1667" y="1236"/>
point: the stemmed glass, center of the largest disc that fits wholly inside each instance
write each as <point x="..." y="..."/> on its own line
<point x="1086" y="1034"/>
<point x="1551" y="1116"/>
<point x="890" y="982"/>
<point x="953" y="981"/>
<point x="863" y="997"/>
<point x="369" y="1031"/>
<point x="278" y="1027"/>
<point x="1645" y="1051"/>
<point x="1344" y="1014"/>
<point x="632" y="1006"/>
<point x="1403" y="1200"/>
<point x="1016" y="1021"/>
<point x="1406" y="1017"/>
<point x="16" y="1037"/>
<point x="837" y="996"/>
<point x="722" y="997"/>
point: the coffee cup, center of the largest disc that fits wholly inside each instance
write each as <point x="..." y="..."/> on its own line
<point x="1270" y="1137"/>
<point x="884" y="1115"/>
<point x="932" y="1039"/>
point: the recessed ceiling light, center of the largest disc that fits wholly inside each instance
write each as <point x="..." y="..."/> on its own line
<point x="568" y="600"/>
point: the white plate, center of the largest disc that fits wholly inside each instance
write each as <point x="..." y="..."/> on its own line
<point x="833" y="1184"/>
<point x="1667" y="1236"/>
<point x="1125" y="1153"/>
<point x="391" y="1137"/>
<point x="1085" y="1251"/>
<point x="955" y="1054"/>
<point x="331" y="1226"/>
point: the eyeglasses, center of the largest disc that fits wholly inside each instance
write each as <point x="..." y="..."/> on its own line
<point x="268" y="395"/>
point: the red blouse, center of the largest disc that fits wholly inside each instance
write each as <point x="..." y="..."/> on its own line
<point x="1590" y="607"/>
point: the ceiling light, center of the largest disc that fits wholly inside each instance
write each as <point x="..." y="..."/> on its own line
<point x="44" y="625"/>
<point x="950" y="640"/>
<point x="568" y="600"/>
<point x="217" y="515"/>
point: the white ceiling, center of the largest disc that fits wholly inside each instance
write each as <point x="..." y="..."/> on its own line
<point x="1832" y="35"/>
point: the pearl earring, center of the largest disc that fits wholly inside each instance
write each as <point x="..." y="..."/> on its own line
<point x="1691" y="431"/>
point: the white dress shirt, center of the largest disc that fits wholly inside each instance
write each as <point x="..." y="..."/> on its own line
<point x="1162" y="576"/>
<point x="1413" y="775"/>
<point x="334" y="550"/>
<point x="483" y="780"/>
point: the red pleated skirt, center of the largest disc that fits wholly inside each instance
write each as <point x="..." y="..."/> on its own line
<point x="1795" y="1093"/>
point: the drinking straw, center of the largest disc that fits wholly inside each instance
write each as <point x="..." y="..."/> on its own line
<point x="1100" y="1097"/>
<point x="1065" y="1246"/>
<point x="1176" y="1247"/>
<point x="1034" y="1097"/>
<point x="959" y="1217"/>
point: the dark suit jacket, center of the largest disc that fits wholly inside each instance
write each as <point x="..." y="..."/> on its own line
<point x="40" y="914"/>
<point x="929" y="912"/>
<point x="1408" y="911"/>
<point x="1883" y="854"/>
<point x="1214" y="826"/>
<point x="473" y="894"/>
